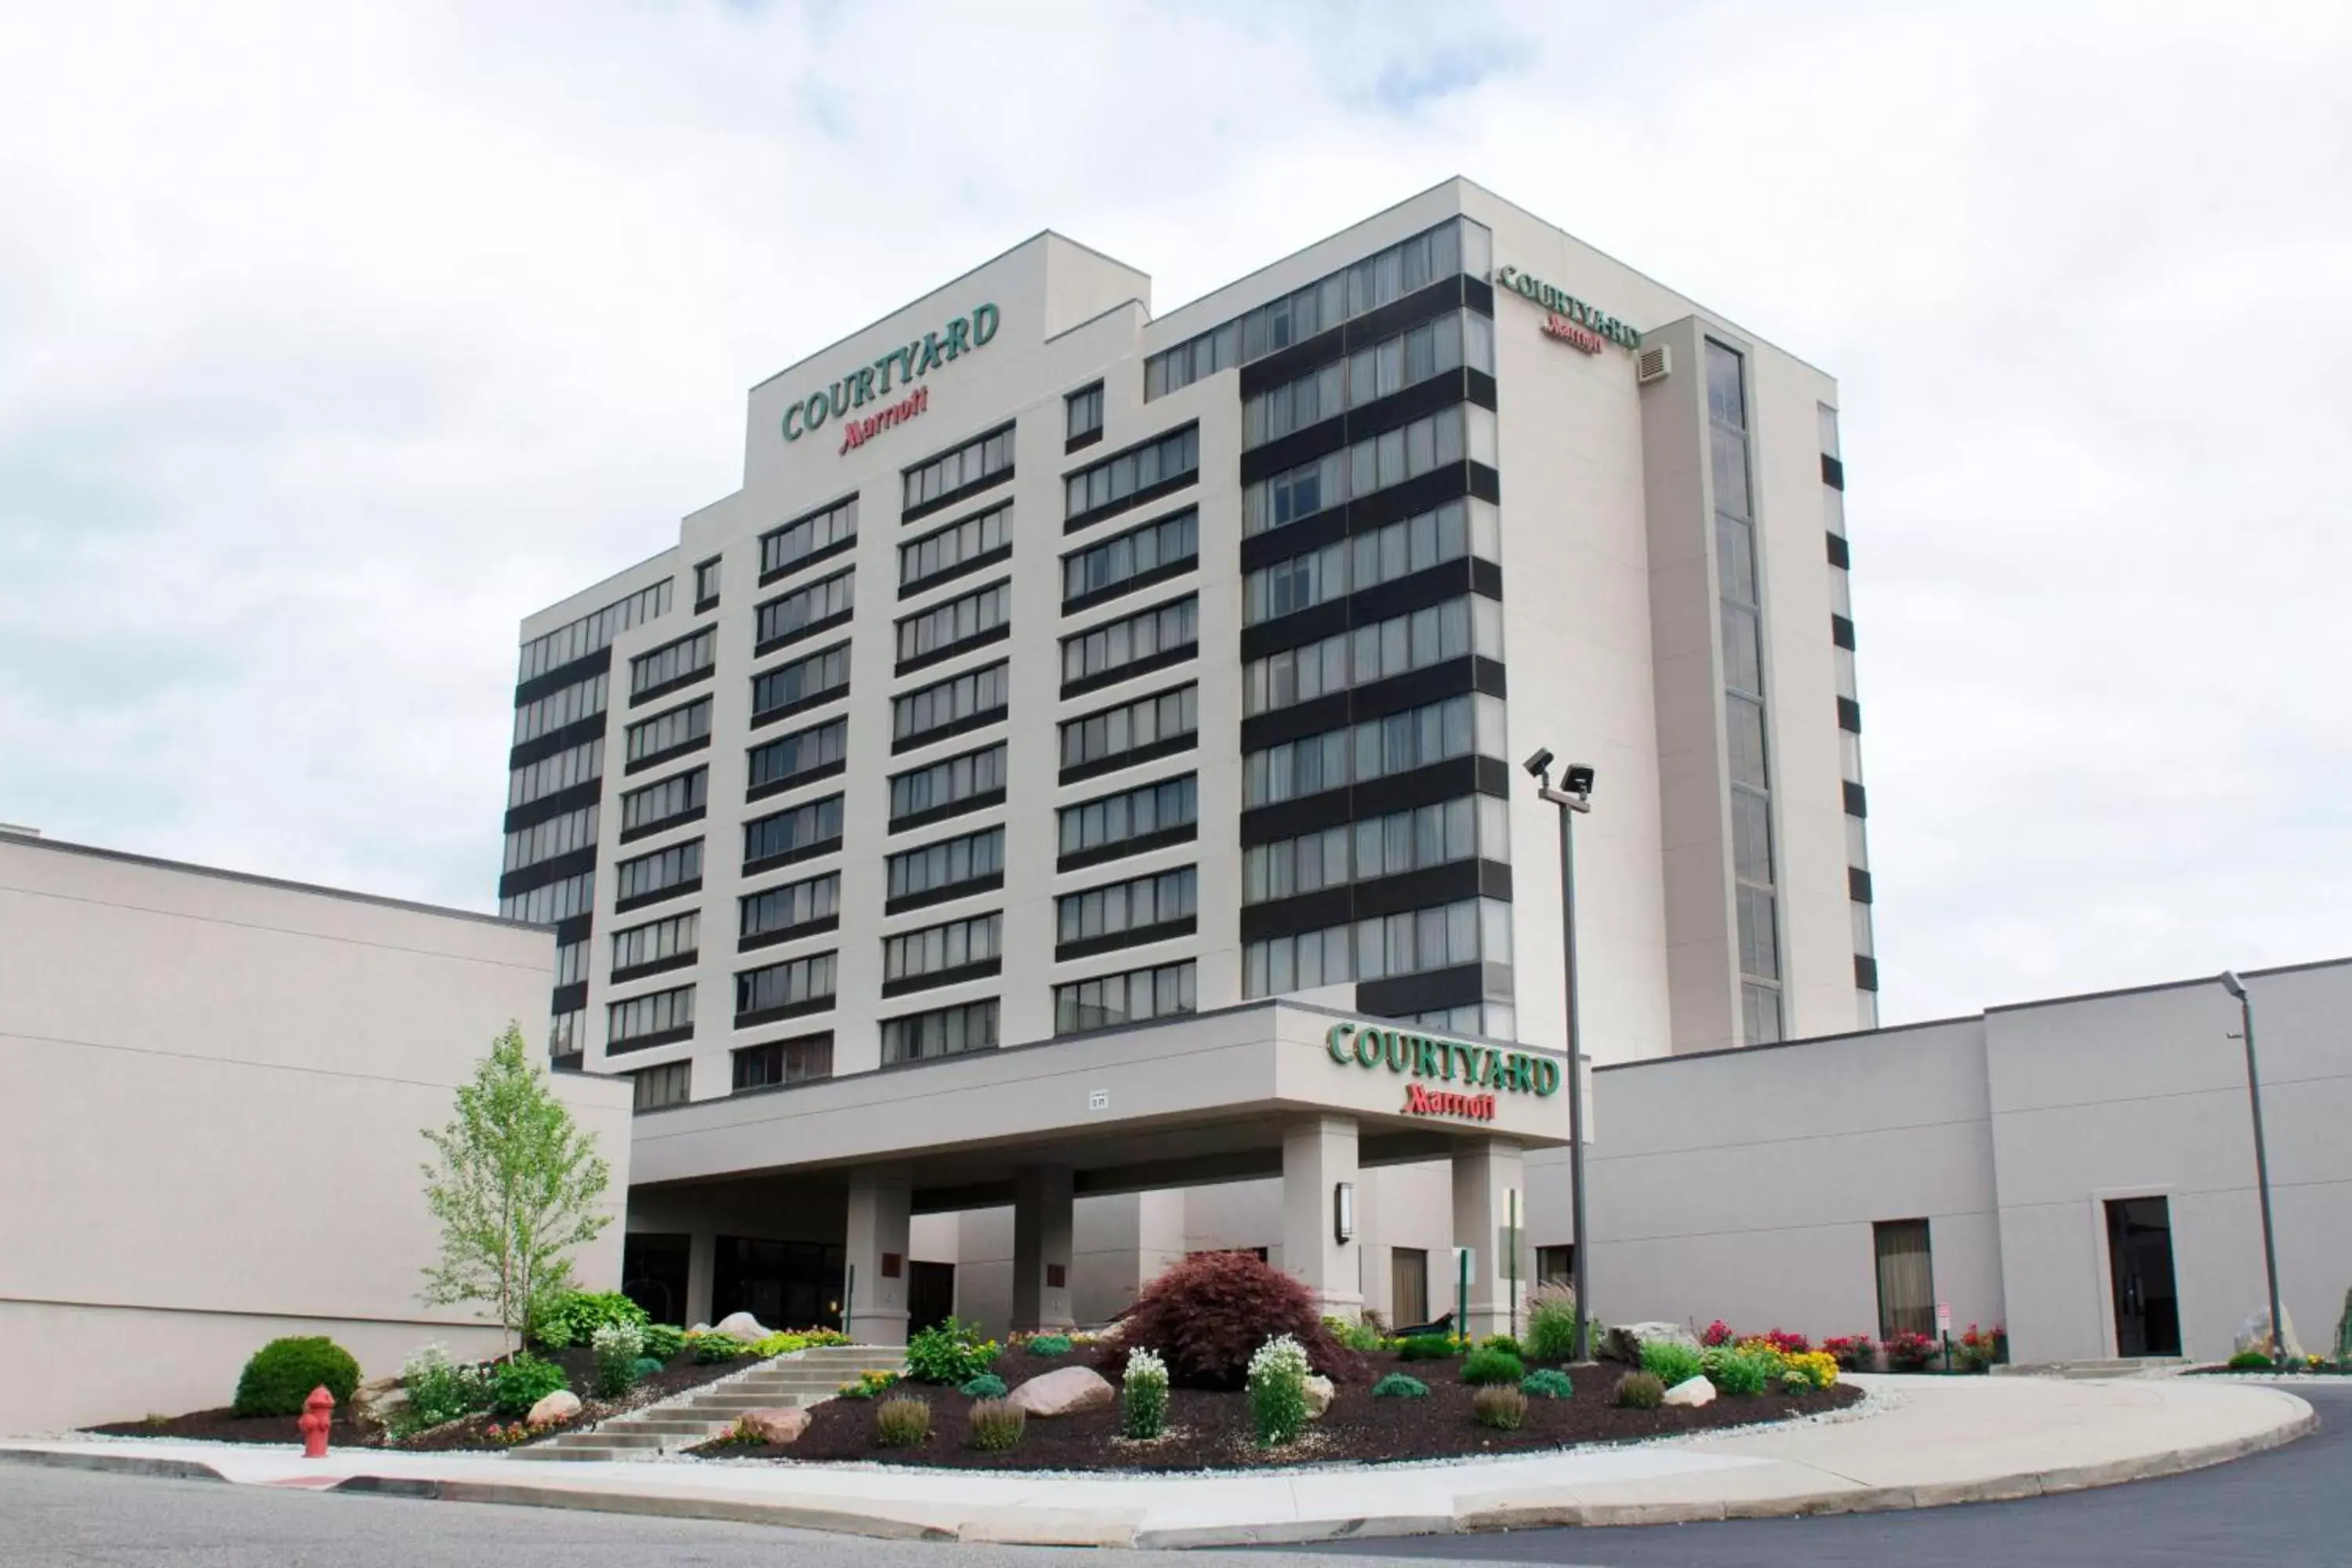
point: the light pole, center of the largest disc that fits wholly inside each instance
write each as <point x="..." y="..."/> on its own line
<point x="1571" y="802"/>
<point x="2237" y="988"/>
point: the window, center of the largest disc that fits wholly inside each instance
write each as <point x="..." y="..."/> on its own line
<point x="1165" y="460"/>
<point x="1371" y="465"/>
<point x="1455" y="247"/>
<point x="666" y="1014"/>
<point x="789" y="759"/>
<point x="1495" y="1020"/>
<point x="583" y="764"/>
<point x="1373" y="748"/>
<point x="1369" y="559"/>
<point x="661" y="872"/>
<point x="825" y="532"/>
<point x="1760" y="950"/>
<point x="556" y="836"/>
<point x="592" y="633"/>
<point x="668" y="1084"/>
<point x="981" y="615"/>
<point x="959" y="702"/>
<point x="983" y="460"/>
<point x="793" y="907"/>
<point x="824" y="603"/>
<point x="683" y="795"/>
<point x="1556" y="1265"/>
<point x="542" y="906"/>
<point x="1414" y="941"/>
<point x="1742" y="632"/>
<point x="1132" y="909"/>
<point x="947" y="1032"/>
<point x="1751" y="836"/>
<point x="571" y="962"/>
<point x="1082" y="413"/>
<point x="968" y="782"/>
<point x="959" y="547"/>
<point x="672" y="663"/>
<point x="706" y="583"/>
<point x="776" y="990"/>
<point x="1760" y="1012"/>
<point x="1094" y="829"/>
<point x="941" y="949"/>
<point x="1374" y="652"/>
<point x="665" y="733"/>
<point x="951" y="863"/>
<point x="1471" y="826"/>
<point x="782" y="1062"/>
<point x="1156" y="550"/>
<point x="1132" y="732"/>
<point x="1374" y="370"/>
<point x="678" y="937"/>
<point x="1134" y="997"/>
<point x="1906" y="1277"/>
<point x="581" y="699"/>
<point x="817" y="678"/>
<point x="567" y="1032"/>
<point x="1150" y="638"/>
<point x="792" y="834"/>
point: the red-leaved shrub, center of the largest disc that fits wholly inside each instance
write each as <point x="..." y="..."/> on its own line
<point x="1207" y="1316"/>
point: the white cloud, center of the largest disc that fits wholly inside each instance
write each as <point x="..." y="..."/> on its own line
<point x="338" y="339"/>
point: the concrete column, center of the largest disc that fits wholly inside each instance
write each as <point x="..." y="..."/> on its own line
<point x="1486" y="1171"/>
<point x="1042" y="1220"/>
<point x="1318" y="1152"/>
<point x="702" y="1265"/>
<point x="880" y="1204"/>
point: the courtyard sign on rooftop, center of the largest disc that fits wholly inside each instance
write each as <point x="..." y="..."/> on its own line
<point x="1567" y="307"/>
<point x="901" y="368"/>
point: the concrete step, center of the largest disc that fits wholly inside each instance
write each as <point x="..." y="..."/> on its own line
<point x="665" y="1426"/>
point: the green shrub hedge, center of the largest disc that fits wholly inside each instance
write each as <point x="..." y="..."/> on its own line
<point x="282" y="1373"/>
<point x="1488" y="1364"/>
<point x="521" y="1381"/>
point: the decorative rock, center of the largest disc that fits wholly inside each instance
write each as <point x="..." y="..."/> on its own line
<point x="1319" y="1394"/>
<point x="743" y="1326"/>
<point x="777" y="1426"/>
<point x="1063" y="1390"/>
<point x="2255" y="1334"/>
<point x="374" y="1403"/>
<point x="561" y="1405"/>
<point x="1692" y="1392"/>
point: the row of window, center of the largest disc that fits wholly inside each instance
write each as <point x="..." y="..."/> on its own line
<point x="804" y="752"/>
<point x="1415" y="941"/>
<point x="581" y="699"/>
<point x="1131" y="639"/>
<point x="678" y="936"/>
<point x="792" y="982"/>
<point x="1457" y="246"/>
<point x="670" y="730"/>
<point x="659" y="1012"/>
<point x="1427" y="539"/>
<point x="948" y="863"/>
<point x="824" y="673"/>
<point x="679" y="795"/>
<point x="792" y="905"/>
<point x="792" y="830"/>
<point x="1428" y="351"/>
<point x="556" y="836"/>
<point x="1373" y="748"/>
<point x="570" y="963"/>
<point x="952" y="702"/>
<point x="1470" y="828"/>
<point x="1432" y="635"/>
<point x="583" y="764"/>
<point x="940" y="553"/>
<point x="961" y="619"/>
<point x="819" y="602"/>
<point x="545" y="905"/>
<point x="943" y="1032"/>
<point x="690" y="654"/>
<point x="1161" y="460"/>
<point x="1370" y="465"/>
<point x="982" y="458"/>
<point x="1137" y="997"/>
<point x="658" y="872"/>
<point x="592" y="633"/>
<point x="1132" y="905"/>
<point x="1130" y="813"/>
<point x="935" y="950"/>
<point x="1147" y="722"/>
<point x="1135" y="553"/>
<point x="948" y="782"/>
<point x="785" y="548"/>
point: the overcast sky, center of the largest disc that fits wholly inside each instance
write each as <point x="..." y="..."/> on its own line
<point x="334" y="339"/>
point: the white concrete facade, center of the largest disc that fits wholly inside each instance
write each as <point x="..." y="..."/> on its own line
<point x="217" y="1086"/>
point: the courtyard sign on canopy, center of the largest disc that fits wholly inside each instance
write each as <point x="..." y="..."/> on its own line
<point x="1567" y="309"/>
<point x="900" y="367"/>
<point x="1446" y="1061"/>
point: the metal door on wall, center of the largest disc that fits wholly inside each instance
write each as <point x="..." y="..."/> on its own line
<point x="1408" y="1287"/>
<point x="930" y="1294"/>
<point x="2139" y="1269"/>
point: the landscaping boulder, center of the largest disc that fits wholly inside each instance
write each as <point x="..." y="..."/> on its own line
<point x="561" y="1405"/>
<point x="375" y="1403"/>
<point x="1692" y="1392"/>
<point x="1319" y="1394"/>
<point x="778" y="1427"/>
<point x="1063" y="1390"/>
<point x="1623" y="1342"/>
<point x="741" y="1326"/>
<point x="2255" y="1334"/>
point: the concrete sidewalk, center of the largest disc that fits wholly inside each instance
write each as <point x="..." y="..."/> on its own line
<point x="1929" y="1441"/>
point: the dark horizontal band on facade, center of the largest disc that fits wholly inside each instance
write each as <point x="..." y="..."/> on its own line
<point x="667" y="754"/>
<point x="1401" y="596"/>
<point x="1165" y="658"/>
<point x="1127" y="503"/>
<point x="1142" y="843"/>
<point x="938" y="977"/>
<point x="953" y="727"/>
<point x="554" y="869"/>
<point x="1414" y="689"/>
<point x="1378" y="417"/>
<point x="567" y="999"/>
<point x="1134" y="936"/>
<point x="658" y="896"/>
<point x="661" y="689"/>
<point x="792" y="856"/>
<point x="1137" y="583"/>
<point x="1454" y="777"/>
<point x="1134" y="756"/>
<point x="585" y="668"/>
<point x="778" y="786"/>
<point x="1425" y="492"/>
<point x="965" y="568"/>
<point x="799" y="706"/>
<point x="941" y="813"/>
<point x="1405" y="996"/>
<point x="539" y="748"/>
<point x="946" y="651"/>
<point x="546" y="808"/>
<point x="647" y="1042"/>
<point x="647" y="829"/>
<point x="782" y="934"/>
<point x="801" y="634"/>
<point x="760" y="1015"/>
<point x="1287" y="364"/>
<point x="626" y="972"/>
<point x="573" y="928"/>
<point x="1352" y="901"/>
<point x="947" y="894"/>
<point x="816" y="557"/>
<point x="939" y="503"/>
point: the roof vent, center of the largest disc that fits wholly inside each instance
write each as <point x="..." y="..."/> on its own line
<point x="1654" y="364"/>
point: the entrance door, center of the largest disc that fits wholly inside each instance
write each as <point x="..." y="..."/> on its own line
<point x="1408" y="1287"/>
<point x="930" y="1294"/>
<point x="2139" y="1257"/>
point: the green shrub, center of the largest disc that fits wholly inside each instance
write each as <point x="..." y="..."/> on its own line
<point x="1640" y="1391"/>
<point x="522" y="1381"/>
<point x="1049" y="1345"/>
<point x="1489" y="1364"/>
<point x="1363" y="1338"/>
<point x="996" y="1424"/>
<point x="645" y="1367"/>
<point x="1739" y="1372"/>
<point x="868" y="1384"/>
<point x="663" y="1341"/>
<point x="1143" y="1396"/>
<point x="1278" y="1390"/>
<point x="1502" y="1407"/>
<point x="438" y="1391"/>
<point x="1503" y="1342"/>
<point x="987" y="1386"/>
<point x="1428" y="1347"/>
<point x="2249" y="1361"/>
<point x="1551" y="1326"/>
<point x="572" y="1317"/>
<point x="1795" y="1381"/>
<point x="1671" y="1360"/>
<point x="951" y="1353"/>
<point x="710" y="1349"/>
<point x="1399" y="1385"/>
<point x="902" y="1422"/>
<point x="617" y="1347"/>
<point x="282" y="1373"/>
<point x="1549" y="1384"/>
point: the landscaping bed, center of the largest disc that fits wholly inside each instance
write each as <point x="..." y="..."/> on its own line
<point x="1210" y="1430"/>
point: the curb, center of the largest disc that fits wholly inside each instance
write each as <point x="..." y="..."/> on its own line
<point x="522" y="1494"/>
<point x="118" y="1464"/>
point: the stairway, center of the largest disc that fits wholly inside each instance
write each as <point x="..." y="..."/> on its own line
<point x="699" y="1414"/>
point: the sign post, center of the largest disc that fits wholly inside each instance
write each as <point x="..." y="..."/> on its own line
<point x="1944" y="1331"/>
<point x="1462" y="1259"/>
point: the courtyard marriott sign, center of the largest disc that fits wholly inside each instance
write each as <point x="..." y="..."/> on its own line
<point x="872" y="382"/>
<point x="1473" y="1067"/>
<point x="1573" y="320"/>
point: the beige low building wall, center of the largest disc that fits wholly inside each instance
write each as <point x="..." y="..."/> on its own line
<point x="216" y="1089"/>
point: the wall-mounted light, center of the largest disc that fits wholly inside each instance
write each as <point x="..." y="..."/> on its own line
<point x="1343" y="1212"/>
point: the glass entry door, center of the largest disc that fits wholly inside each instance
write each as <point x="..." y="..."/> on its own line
<point x="2139" y="1262"/>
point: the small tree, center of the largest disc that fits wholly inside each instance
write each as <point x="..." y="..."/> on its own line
<point x="515" y="1186"/>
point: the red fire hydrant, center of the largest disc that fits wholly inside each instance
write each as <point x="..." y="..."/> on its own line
<point x="318" y="1415"/>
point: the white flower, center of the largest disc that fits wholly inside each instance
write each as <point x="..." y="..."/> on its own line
<point x="617" y="1339"/>
<point x="1280" y="1356"/>
<point x="1145" y="1367"/>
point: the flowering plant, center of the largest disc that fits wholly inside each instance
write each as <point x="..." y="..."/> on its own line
<point x="1908" y="1350"/>
<point x="1718" y="1332"/>
<point x="868" y="1383"/>
<point x="515" y="1432"/>
<point x="1818" y="1368"/>
<point x="1786" y="1343"/>
<point x="1143" y="1401"/>
<point x="1852" y="1352"/>
<point x="1978" y="1349"/>
<point x="1278" y="1390"/>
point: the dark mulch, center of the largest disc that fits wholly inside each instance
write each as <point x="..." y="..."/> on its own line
<point x="1208" y="1431"/>
<point x="223" y="1426"/>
